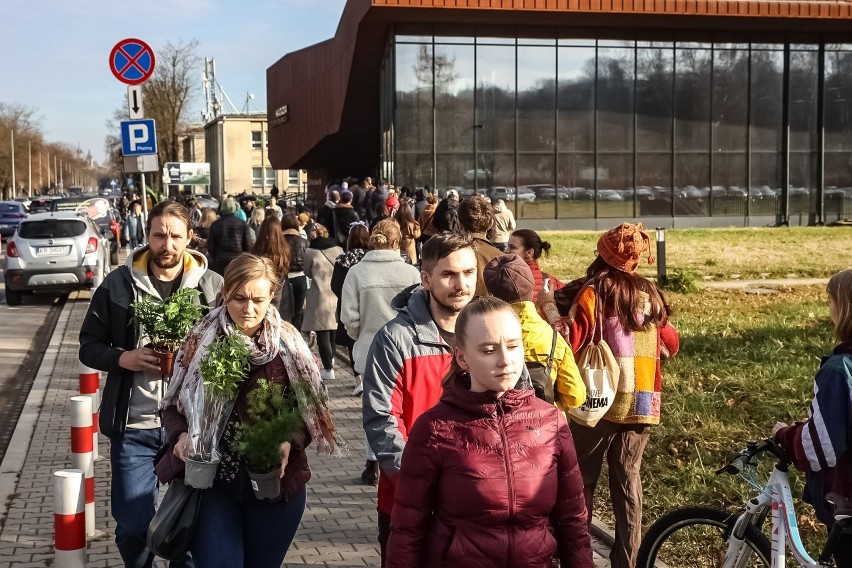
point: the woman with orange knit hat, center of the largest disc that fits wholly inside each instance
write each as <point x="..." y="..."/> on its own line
<point x="631" y="315"/>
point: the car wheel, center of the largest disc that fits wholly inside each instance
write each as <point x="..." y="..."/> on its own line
<point x="13" y="297"/>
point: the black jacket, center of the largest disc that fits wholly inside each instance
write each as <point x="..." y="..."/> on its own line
<point x="229" y="236"/>
<point x="108" y="331"/>
<point x="297" y="251"/>
<point x="343" y="217"/>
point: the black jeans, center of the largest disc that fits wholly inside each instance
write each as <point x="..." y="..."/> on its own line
<point x="326" y="345"/>
<point x="300" y="292"/>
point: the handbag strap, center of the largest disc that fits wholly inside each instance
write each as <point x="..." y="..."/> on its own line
<point x="552" y="351"/>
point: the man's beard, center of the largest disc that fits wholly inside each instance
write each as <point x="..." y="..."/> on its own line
<point x="446" y="308"/>
<point x="157" y="258"/>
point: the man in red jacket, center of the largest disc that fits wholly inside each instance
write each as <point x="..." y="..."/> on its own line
<point x="411" y="354"/>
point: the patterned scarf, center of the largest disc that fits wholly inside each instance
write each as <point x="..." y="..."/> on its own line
<point x="275" y="337"/>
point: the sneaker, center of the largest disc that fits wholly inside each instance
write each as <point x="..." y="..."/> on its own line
<point x="359" y="386"/>
<point x="327" y="375"/>
<point x="370" y="475"/>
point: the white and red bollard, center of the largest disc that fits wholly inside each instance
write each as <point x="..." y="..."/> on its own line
<point x="81" y="453"/>
<point x="69" y="519"/>
<point x="90" y="383"/>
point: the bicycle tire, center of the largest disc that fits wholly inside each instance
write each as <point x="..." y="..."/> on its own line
<point x="672" y="542"/>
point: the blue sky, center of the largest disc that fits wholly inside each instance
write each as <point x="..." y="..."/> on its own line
<point x="54" y="55"/>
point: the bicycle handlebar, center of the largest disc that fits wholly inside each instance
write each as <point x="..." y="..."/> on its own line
<point x="752" y="450"/>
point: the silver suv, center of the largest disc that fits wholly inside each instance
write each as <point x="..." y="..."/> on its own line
<point x="54" y="252"/>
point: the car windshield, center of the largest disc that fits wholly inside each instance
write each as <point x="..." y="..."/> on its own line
<point x="52" y="229"/>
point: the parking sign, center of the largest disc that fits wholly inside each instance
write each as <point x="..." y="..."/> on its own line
<point x="138" y="137"/>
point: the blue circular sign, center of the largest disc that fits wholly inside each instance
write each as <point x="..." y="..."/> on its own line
<point x="132" y="61"/>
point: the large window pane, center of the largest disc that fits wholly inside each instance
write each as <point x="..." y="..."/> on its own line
<point x="693" y="99"/>
<point x="838" y="130"/>
<point x="767" y="86"/>
<point x="615" y="98"/>
<point x="576" y="175"/>
<point x="615" y="185"/>
<point x="730" y="128"/>
<point x="576" y="99"/>
<point x="451" y="170"/>
<point x="454" y="82"/>
<point x="654" y="110"/>
<point x="537" y="98"/>
<point x="413" y="169"/>
<point x="413" y="98"/>
<point x="691" y="194"/>
<point x="536" y="192"/>
<point x="804" y="84"/>
<point x="495" y="98"/>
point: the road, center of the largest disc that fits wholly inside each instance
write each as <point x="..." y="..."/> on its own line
<point x="25" y="332"/>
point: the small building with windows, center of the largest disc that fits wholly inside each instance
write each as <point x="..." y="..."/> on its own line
<point x="577" y="112"/>
<point x="236" y="146"/>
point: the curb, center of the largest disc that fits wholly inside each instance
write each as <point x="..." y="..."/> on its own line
<point x="19" y="445"/>
<point x="600" y="531"/>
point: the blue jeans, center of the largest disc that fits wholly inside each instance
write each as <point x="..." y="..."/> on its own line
<point x="236" y="530"/>
<point x="134" y="495"/>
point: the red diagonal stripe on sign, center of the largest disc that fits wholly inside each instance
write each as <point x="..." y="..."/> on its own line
<point x="131" y="60"/>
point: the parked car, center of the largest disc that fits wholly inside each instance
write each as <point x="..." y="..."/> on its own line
<point x="206" y="200"/>
<point x="101" y="212"/>
<point x="11" y="214"/>
<point x="542" y="190"/>
<point x="609" y="195"/>
<point x="54" y="252"/>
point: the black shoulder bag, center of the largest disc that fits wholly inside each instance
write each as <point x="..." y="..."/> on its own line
<point x="540" y="375"/>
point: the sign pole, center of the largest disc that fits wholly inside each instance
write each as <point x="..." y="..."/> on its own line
<point x="144" y="208"/>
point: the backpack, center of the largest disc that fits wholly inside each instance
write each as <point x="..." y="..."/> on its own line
<point x="600" y="373"/>
<point x="540" y="375"/>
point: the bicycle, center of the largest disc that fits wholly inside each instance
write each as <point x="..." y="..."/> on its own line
<point x="704" y="536"/>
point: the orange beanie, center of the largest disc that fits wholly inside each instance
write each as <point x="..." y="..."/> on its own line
<point x="622" y="246"/>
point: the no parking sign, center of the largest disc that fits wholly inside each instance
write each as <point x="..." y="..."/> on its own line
<point x="132" y="61"/>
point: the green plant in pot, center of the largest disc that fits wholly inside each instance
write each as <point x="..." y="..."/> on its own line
<point x="223" y="369"/>
<point x="167" y="323"/>
<point x="273" y="418"/>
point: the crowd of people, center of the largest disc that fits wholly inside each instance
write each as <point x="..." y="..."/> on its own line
<point x="464" y="353"/>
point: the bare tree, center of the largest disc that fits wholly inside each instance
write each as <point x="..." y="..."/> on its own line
<point x="25" y="122"/>
<point x="167" y="94"/>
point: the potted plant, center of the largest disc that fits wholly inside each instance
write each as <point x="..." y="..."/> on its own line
<point x="167" y="323"/>
<point x="273" y="418"/>
<point x="223" y="369"/>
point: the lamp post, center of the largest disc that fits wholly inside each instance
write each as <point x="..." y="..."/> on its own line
<point x="14" y="181"/>
<point x="661" y="256"/>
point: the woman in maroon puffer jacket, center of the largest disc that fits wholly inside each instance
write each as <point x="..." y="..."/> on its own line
<point x="489" y="475"/>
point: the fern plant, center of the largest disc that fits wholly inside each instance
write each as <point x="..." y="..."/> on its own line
<point x="273" y="418"/>
<point x="167" y="323"/>
<point x="225" y="366"/>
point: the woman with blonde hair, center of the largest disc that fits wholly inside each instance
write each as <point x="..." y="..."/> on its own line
<point x="256" y="219"/>
<point x="234" y="528"/>
<point x="819" y="444"/>
<point x="271" y="244"/>
<point x="365" y="306"/>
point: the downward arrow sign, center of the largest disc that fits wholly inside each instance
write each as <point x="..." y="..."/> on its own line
<point x="134" y="102"/>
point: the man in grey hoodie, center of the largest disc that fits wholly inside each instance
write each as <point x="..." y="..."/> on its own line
<point x="111" y="341"/>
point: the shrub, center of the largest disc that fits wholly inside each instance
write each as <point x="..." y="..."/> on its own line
<point x="682" y="281"/>
<point x="273" y="419"/>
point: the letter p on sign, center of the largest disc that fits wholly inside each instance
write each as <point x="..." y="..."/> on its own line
<point x="138" y="137"/>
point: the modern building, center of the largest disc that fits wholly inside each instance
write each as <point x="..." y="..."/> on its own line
<point x="235" y="145"/>
<point x="577" y="112"/>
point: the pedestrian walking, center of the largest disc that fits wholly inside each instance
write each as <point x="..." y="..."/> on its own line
<point x="490" y="472"/>
<point x="321" y="303"/>
<point x="296" y="276"/>
<point x="233" y="527"/>
<point x="627" y="311"/>
<point x="477" y="217"/>
<point x="229" y="237"/>
<point x="271" y="244"/>
<point x="504" y="224"/>
<point x="111" y="342"/>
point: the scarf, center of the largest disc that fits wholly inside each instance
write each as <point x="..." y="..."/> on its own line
<point x="275" y="337"/>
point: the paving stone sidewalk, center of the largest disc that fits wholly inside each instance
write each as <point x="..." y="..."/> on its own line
<point x="338" y="528"/>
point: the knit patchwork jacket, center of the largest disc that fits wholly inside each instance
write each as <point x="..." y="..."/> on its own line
<point x="637" y="399"/>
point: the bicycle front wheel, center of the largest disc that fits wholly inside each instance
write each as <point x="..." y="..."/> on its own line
<point x="697" y="537"/>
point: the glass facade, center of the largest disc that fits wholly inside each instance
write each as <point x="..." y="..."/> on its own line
<point x="584" y="128"/>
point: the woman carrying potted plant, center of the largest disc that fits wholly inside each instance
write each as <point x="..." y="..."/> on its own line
<point x="234" y="528"/>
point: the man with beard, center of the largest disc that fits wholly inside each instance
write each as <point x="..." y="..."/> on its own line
<point x="411" y="354"/>
<point x="111" y="341"/>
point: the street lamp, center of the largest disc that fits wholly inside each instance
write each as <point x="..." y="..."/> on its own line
<point x="661" y="256"/>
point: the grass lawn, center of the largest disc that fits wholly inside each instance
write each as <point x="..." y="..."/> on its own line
<point x="784" y="252"/>
<point x="746" y="361"/>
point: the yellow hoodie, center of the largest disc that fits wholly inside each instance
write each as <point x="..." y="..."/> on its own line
<point x="569" y="388"/>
